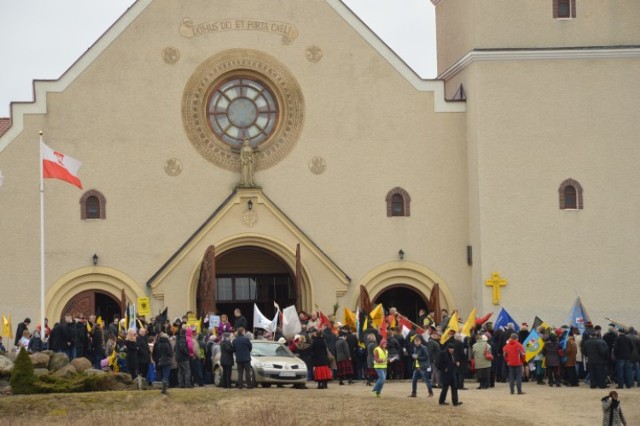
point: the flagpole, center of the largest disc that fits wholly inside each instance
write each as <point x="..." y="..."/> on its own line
<point x="42" y="313"/>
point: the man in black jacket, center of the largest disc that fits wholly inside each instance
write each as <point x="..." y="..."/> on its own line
<point x="24" y="325"/>
<point x="242" y="347"/>
<point x="240" y="320"/>
<point x="448" y="366"/>
<point x="622" y="350"/>
<point x="597" y="353"/>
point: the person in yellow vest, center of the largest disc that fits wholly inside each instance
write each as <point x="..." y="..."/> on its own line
<point x="380" y="356"/>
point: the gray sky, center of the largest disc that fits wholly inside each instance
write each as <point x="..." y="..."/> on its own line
<point x="42" y="38"/>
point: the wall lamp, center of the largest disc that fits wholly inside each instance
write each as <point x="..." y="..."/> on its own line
<point x="401" y="254"/>
<point x="250" y="205"/>
<point x="95" y="259"/>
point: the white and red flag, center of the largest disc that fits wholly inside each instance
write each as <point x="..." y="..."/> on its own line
<point x="56" y="165"/>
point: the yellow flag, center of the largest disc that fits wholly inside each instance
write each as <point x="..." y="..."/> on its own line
<point x="99" y="321"/>
<point x="6" y="327"/>
<point x="377" y="316"/>
<point x="453" y="325"/>
<point x="470" y="324"/>
<point x="350" y="318"/>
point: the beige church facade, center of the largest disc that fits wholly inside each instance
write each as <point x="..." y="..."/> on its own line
<point x="519" y="162"/>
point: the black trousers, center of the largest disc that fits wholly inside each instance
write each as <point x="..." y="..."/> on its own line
<point x="446" y="384"/>
<point x="226" y="376"/>
<point x="244" y="371"/>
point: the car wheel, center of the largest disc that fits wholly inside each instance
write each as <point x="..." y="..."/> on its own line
<point x="266" y="385"/>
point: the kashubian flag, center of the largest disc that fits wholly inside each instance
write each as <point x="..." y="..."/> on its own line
<point x="350" y="318"/>
<point x="6" y="327"/>
<point x="377" y="315"/>
<point x="453" y="325"/>
<point x="468" y="326"/>
<point x="533" y="345"/>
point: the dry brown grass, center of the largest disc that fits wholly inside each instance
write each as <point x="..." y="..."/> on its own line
<point x="342" y="405"/>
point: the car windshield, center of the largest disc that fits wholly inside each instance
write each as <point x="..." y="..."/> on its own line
<point x="270" y="349"/>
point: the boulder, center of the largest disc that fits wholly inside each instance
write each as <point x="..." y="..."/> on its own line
<point x="94" y="372"/>
<point x="81" y="364"/>
<point x="67" y="369"/>
<point x="39" y="360"/>
<point x="40" y="371"/>
<point x="6" y="390"/>
<point x="12" y="354"/>
<point x="57" y="361"/>
<point x="123" y="378"/>
<point x="6" y="366"/>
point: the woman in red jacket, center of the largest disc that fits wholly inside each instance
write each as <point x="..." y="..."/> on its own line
<point x="514" y="357"/>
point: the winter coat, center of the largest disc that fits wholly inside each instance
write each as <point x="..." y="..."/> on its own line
<point x="447" y="367"/>
<point x="623" y="348"/>
<point x="58" y="339"/>
<point x="182" y="350"/>
<point x="226" y="353"/>
<point x="330" y="340"/>
<point x="342" y="350"/>
<point x="423" y="360"/>
<point x="513" y="353"/>
<point x="242" y="346"/>
<point x="550" y="351"/>
<point x="596" y="350"/>
<point x="144" y="353"/>
<point x="612" y="413"/>
<point x="97" y="343"/>
<point x="570" y="352"/>
<point x="479" y="349"/>
<point x="162" y="352"/>
<point x="319" y="355"/>
<point x="132" y="355"/>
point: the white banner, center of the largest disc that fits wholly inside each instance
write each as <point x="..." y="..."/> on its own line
<point x="260" y="321"/>
<point x="290" y="322"/>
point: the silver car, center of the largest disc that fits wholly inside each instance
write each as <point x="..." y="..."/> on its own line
<point x="271" y="363"/>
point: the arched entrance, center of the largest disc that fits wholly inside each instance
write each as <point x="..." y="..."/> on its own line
<point x="247" y="275"/>
<point x="93" y="302"/>
<point x="405" y="299"/>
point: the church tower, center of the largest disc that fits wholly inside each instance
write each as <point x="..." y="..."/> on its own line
<point x="550" y="89"/>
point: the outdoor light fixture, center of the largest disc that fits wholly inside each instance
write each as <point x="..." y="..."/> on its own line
<point x="401" y="254"/>
<point x="250" y="204"/>
<point x="95" y="259"/>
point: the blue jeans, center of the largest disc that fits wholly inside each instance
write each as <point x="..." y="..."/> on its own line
<point x="624" y="373"/>
<point x="166" y="371"/>
<point x="382" y="375"/>
<point x="426" y="376"/>
<point x="515" y="378"/>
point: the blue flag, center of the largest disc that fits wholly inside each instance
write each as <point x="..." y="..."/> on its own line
<point x="503" y="319"/>
<point x="578" y="316"/>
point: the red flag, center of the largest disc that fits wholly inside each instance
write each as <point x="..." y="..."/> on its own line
<point x="383" y="329"/>
<point x="56" y="165"/>
<point x="324" y="321"/>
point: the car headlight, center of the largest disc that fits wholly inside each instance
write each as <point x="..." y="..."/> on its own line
<point x="261" y="364"/>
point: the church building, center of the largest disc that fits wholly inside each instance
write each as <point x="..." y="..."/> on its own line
<point x="274" y="150"/>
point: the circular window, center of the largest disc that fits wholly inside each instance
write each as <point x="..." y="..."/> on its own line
<point x="242" y="108"/>
<point x="242" y="94"/>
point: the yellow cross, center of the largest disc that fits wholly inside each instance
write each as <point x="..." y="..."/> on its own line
<point x="496" y="282"/>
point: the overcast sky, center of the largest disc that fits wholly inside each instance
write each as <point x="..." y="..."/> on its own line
<point x="42" y="38"/>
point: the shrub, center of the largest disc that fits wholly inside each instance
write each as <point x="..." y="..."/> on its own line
<point x="78" y="382"/>
<point x="23" y="378"/>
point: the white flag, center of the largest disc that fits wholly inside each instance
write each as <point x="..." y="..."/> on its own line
<point x="290" y="322"/>
<point x="260" y="321"/>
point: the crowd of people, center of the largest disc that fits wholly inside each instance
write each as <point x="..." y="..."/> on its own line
<point x="180" y="355"/>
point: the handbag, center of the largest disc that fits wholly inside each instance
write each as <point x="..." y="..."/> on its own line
<point x="488" y="355"/>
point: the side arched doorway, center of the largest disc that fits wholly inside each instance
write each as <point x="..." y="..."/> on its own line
<point x="93" y="302"/>
<point x="404" y="298"/>
<point x="244" y="276"/>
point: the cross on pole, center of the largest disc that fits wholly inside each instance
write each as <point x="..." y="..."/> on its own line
<point x="496" y="282"/>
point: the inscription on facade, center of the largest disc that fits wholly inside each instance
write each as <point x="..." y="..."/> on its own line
<point x="289" y="32"/>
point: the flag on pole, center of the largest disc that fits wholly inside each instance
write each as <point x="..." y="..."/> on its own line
<point x="324" y="320"/>
<point x="358" y="322"/>
<point x="453" y="325"/>
<point x="56" y="165"/>
<point x="290" y="322"/>
<point x="350" y="318"/>
<point x="578" y="315"/>
<point x="383" y="329"/>
<point x="533" y="345"/>
<point x="377" y="315"/>
<point x="7" y="329"/>
<point x="405" y="325"/>
<point x="260" y="321"/>
<point x="537" y="323"/>
<point x="470" y="325"/>
<point x="1" y="178"/>
<point x="503" y="319"/>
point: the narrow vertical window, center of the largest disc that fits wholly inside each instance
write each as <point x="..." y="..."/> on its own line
<point x="564" y="9"/>
<point x="398" y="202"/>
<point x="93" y="205"/>
<point x="571" y="195"/>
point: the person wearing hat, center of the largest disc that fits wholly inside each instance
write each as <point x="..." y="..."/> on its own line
<point x="448" y="366"/>
<point x="380" y="356"/>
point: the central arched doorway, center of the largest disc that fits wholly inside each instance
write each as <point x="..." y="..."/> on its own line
<point x="404" y="298"/>
<point x="93" y="302"/>
<point x="248" y="275"/>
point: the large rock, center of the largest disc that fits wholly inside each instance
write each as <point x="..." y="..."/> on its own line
<point x="40" y="371"/>
<point x="40" y="360"/>
<point x="6" y="366"/>
<point x="123" y="378"/>
<point x="6" y="390"/>
<point x="57" y="361"/>
<point x="81" y="364"/>
<point x="94" y="372"/>
<point x="64" y="371"/>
